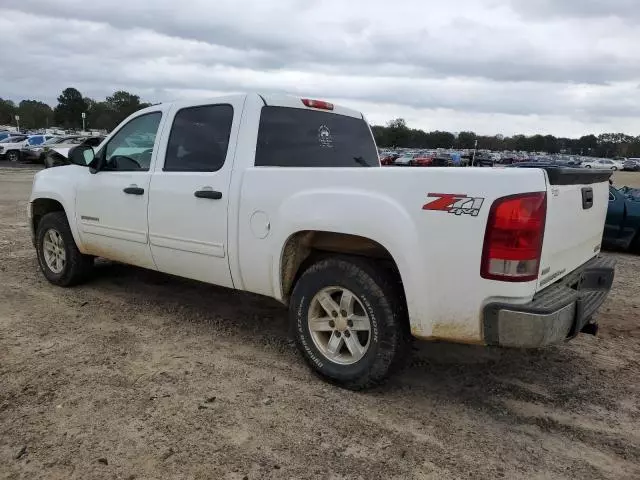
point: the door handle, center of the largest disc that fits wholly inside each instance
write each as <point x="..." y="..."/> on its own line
<point x="212" y="194"/>
<point x="133" y="190"/>
<point x="587" y="198"/>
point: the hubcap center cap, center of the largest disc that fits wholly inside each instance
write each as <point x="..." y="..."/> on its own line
<point x="341" y="323"/>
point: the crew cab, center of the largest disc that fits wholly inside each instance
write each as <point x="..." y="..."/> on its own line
<point x="285" y="197"/>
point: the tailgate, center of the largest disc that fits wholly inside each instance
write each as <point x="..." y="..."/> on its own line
<point x="577" y="202"/>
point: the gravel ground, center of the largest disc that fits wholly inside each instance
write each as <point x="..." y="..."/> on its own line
<point x="142" y="375"/>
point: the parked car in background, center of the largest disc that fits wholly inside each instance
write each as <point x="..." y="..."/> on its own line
<point x="33" y="147"/>
<point x="631" y="164"/>
<point x="423" y="159"/>
<point x="56" y="154"/>
<point x="601" y="163"/>
<point x="388" y="159"/>
<point x="482" y="160"/>
<point x="6" y="134"/>
<point x="622" y="226"/>
<point x="10" y="147"/>
<point x="442" y="160"/>
<point x="405" y="160"/>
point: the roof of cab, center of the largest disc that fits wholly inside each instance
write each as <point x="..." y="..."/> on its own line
<point x="296" y="102"/>
<point x="279" y="100"/>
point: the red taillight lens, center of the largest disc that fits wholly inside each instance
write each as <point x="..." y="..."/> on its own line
<point x="317" y="104"/>
<point x="513" y="240"/>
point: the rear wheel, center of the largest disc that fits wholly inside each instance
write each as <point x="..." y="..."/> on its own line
<point x="587" y="166"/>
<point x="60" y="260"/>
<point x="349" y="321"/>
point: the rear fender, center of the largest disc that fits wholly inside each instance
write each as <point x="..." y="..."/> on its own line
<point x="325" y="210"/>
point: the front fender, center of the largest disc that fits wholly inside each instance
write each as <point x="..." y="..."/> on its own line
<point x="58" y="184"/>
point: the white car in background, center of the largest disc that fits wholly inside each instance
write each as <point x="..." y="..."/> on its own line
<point x="10" y="147"/>
<point x="602" y="164"/>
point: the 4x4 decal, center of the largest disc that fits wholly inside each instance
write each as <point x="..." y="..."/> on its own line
<point x="459" y="204"/>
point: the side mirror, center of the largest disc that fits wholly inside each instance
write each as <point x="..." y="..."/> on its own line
<point x="82" y="155"/>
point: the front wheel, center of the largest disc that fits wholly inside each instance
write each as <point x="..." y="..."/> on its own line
<point x="60" y="260"/>
<point x="349" y="321"/>
<point x="587" y="166"/>
<point x="13" y="156"/>
<point x="614" y="168"/>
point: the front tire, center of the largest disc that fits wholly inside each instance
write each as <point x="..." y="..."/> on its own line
<point x="58" y="256"/>
<point x="13" y="156"/>
<point x="349" y="321"/>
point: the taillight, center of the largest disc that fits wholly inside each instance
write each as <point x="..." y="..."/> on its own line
<point x="317" y="104"/>
<point x="513" y="240"/>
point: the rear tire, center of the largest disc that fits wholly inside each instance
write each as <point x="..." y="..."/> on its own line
<point x="378" y="330"/>
<point x="58" y="256"/>
<point x="13" y="155"/>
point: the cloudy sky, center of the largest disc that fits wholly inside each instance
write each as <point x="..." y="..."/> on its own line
<point x="565" y="67"/>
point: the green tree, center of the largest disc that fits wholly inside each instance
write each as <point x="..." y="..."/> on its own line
<point x="399" y="133"/>
<point x="34" y="114"/>
<point x="123" y="104"/>
<point x="466" y="140"/>
<point x="439" y="139"/>
<point x="71" y="106"/>
<point x="100" y="115"/>
<point x="7" y="111"/>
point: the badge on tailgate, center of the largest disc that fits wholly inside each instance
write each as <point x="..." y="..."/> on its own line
<point x="459" y="204"/>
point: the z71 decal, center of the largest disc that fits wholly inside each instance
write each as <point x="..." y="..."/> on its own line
<point x="460" y="204"/>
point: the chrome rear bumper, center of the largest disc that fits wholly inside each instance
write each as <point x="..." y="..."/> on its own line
<point x="557" y="313"/>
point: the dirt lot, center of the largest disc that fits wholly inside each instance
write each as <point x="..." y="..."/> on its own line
<point x="140" y="375"/>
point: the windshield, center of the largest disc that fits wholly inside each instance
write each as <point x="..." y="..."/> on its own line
<point x="53" y="141"/>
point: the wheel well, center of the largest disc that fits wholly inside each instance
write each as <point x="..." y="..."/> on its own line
<point x="40" y="207"/>
<point x="305" y="248"/>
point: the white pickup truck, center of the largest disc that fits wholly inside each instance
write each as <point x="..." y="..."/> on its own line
<point x="285" y="197"/>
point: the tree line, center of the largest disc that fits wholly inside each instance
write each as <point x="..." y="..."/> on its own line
<point x="100" y="115"/>
<point x="397" y="134"/>
<point x="107" y="114"/>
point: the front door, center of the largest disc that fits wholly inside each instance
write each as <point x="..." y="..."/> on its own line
<point x="111" y="204"/>
<point x="189" y="193"/>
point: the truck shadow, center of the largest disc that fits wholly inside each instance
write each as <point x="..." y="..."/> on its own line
<point x="482" y="378"/>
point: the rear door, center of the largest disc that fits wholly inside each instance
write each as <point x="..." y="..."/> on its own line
<point x="190" y="191"/>
<point x="576" y="210"/>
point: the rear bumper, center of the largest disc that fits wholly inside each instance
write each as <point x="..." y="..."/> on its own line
<point x="557" y="313"/>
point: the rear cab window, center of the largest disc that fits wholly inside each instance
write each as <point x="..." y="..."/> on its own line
<point x="296" y="137"/>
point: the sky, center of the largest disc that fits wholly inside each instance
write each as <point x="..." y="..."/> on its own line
<point x="560" y="67"/>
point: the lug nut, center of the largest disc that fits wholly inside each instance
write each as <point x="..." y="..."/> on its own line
<point x="343" y="313"/>
<point x="334" y="314"/>
<point x="337" y="333"/>
<point x="346" y="333"/>
<point x="332" y="324"/>
<point x="350" y="323"/>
